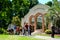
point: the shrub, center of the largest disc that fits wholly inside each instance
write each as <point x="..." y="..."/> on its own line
<point x="3" y="31"/>
<point x="48" y="31"/>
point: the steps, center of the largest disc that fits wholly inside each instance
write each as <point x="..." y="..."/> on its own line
<point x="38" y="31"/>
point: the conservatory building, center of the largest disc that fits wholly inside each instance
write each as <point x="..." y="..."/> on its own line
<point x="36" y="17"/>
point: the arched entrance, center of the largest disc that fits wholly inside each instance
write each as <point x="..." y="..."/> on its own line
<point x="34" y="13"/>
<point x="39" y="22"/>
<point x="34" y="19"/>
<point x="31" y="21"/>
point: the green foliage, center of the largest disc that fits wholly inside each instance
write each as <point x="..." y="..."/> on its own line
<point x="49" y="3"/>
<point x="39" y="25"/>
<point x="48" y="31"/>
<point x="54" y="13"/>
<point x="48" y="19"/>
<point x="8" y="9"/>
<point x="3" y="31"/>
<point x="5" y="13"/>
<point x="58" y="22"/>
<point x="16" y="20"/>
<point x="21" y="7"/>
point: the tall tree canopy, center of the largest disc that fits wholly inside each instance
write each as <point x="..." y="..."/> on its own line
<point x="21" y="7"/>
<point x="10" y="8"/>
<point x="5" y="12"/>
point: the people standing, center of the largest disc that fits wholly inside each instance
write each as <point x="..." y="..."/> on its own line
<point x="22" y="30"/>
<point x="15" y="29"/>
<point x="26" y="29"/>
<point x="29" y="29"/>
<point x="11" y="28"/>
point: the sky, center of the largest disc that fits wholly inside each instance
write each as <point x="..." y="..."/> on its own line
<point x="43" y="1"/>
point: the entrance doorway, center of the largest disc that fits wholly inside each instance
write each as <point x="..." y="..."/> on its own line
<point x="32" y="24"/>
<point x="39" y="22"/>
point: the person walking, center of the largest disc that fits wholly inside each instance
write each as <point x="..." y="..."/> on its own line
<point x="29" y="29"/>
<point x="53" y="31"/>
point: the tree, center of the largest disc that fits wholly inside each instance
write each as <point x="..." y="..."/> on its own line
<point x="21" y="7"/>
<point x="9" y="9"/>
<point x="55" y="13"/>
<point x="49" y="3"/>
<point x="16" y="20"/>
<point x="32" y="3"/>
<point x="4" y="11"/>
<point x="57" y="9"/>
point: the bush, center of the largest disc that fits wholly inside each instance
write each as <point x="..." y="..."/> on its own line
<point x="3" y="31"/>
<point x="48" y="31"/>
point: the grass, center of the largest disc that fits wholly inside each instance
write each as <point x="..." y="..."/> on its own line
<point x="57" y="36"/>
<point x="16" y="37"/>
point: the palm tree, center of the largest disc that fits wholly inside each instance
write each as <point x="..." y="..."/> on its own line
<point x="54" y="13"/>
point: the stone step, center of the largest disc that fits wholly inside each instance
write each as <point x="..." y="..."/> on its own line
<point x="38" y="31"/>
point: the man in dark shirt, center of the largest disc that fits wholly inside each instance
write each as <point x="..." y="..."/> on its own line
<point x="26" y="26"/>
<point x="53" y="31"/>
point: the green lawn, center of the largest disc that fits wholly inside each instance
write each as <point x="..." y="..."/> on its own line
<point x="16" y="37"/>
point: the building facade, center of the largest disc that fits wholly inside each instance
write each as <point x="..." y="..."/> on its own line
<point x="34" y="12"/>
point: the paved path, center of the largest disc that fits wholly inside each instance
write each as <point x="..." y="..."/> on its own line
<point x="42" y="37"/>
<point x="46" y="38"/>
